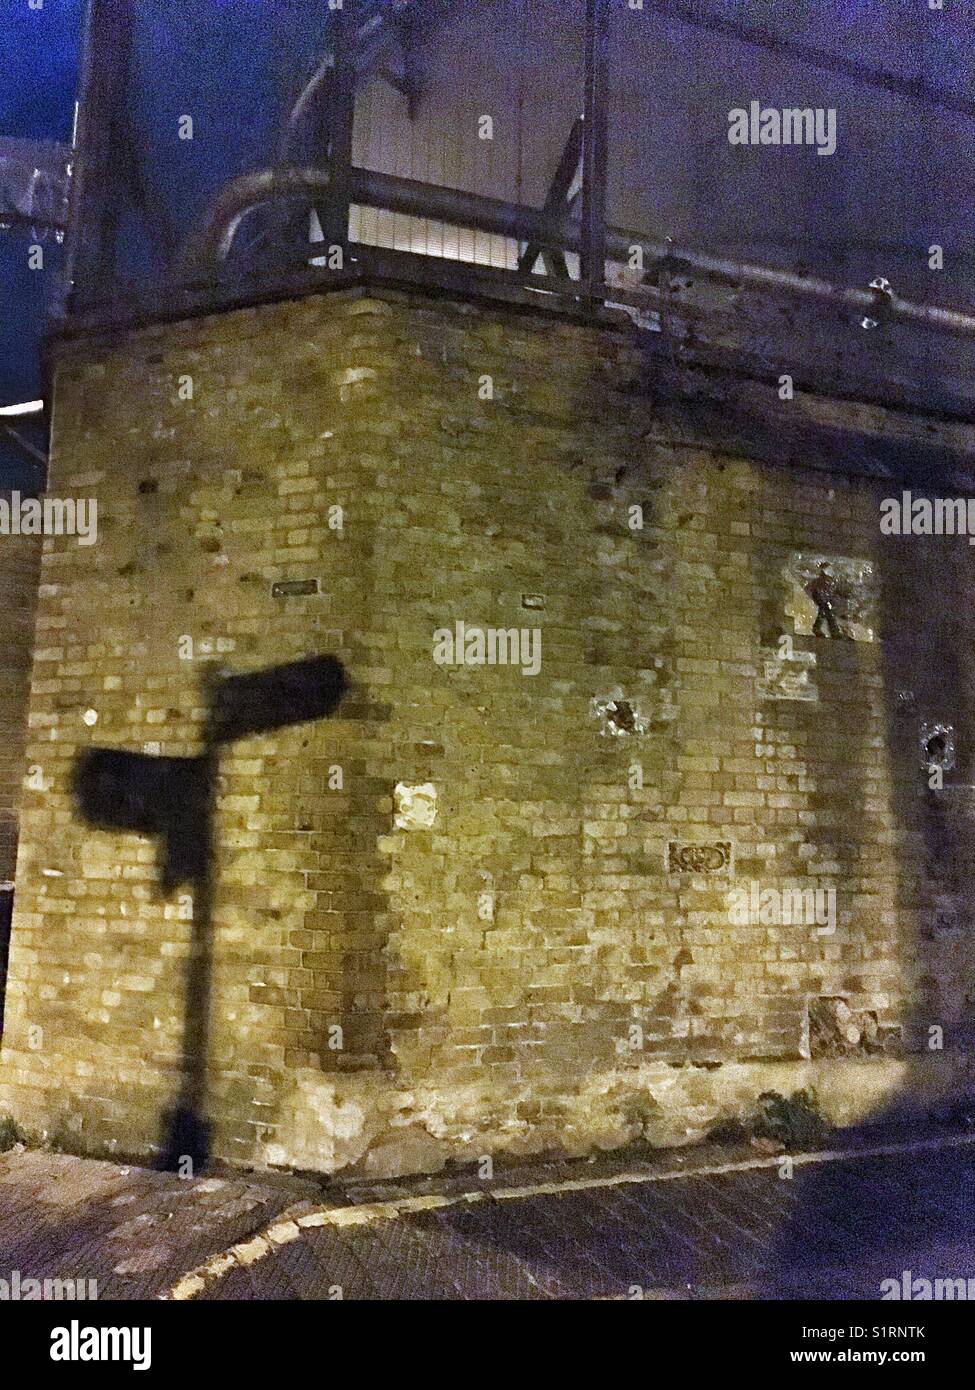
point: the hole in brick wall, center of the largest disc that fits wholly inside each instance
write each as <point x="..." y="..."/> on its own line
<point x="836" y="1030"/>
<point x="622" y="714"/>
<point x="935" y="747"/>
<point x="618" y="716"/>
<point x="938" y="746"/>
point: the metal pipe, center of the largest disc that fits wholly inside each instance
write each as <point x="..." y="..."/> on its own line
<point x="473" y="210"/>
<point x="362" y="28"/>
<point x="522" y="223"/>
<point x="301" y="105"/>
<point x="238" y="197"/>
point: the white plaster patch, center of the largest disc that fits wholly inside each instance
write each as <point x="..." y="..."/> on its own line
<point x="330" y="1124"/>
<point x="787" y="677"/>
<point x="415" y="807"/>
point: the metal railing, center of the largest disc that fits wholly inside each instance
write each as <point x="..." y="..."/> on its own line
<point x="247" y="237"/>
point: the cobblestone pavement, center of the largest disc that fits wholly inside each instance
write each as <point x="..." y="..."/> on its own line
<point x="691" y="1226"/>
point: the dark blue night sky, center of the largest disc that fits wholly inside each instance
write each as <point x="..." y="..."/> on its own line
<point x="38" y="78"/>
<point x="38" y="58"/>
<point x="224" y="61"/>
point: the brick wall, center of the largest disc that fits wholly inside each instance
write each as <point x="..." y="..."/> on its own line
<point x="19" y="556"/>
<point x="533" y="969"/>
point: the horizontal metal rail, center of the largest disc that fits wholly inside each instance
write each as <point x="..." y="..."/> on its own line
<point x="35" y="183"/>
<point x="370" y="188"/>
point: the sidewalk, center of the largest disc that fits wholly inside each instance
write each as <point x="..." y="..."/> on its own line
<point x="702" y="1223"/>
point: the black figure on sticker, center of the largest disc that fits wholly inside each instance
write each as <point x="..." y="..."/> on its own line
<point x="826" y="594"/>
<point x="172" y="798"/>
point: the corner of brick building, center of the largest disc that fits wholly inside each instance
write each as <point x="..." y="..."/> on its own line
<point x="520" y="964"/>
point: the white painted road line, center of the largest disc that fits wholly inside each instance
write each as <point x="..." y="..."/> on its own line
<point x="289" y="1225"/>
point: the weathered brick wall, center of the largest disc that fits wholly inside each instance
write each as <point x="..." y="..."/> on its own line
<point x="19" y="558"/>
<point x="19" y="561"/>
<point x="529" y="971"/>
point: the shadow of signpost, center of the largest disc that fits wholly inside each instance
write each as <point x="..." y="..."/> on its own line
<point x="172" y="799"/>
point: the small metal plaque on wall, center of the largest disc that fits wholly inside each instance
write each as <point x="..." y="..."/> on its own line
<point x="711" y="858"/>
<point x="294" y="588"/>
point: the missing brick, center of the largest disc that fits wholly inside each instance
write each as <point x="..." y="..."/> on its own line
<point x="837" y="1030"/>
<point x="938" y="746"/>
<point x="617" y="716"/>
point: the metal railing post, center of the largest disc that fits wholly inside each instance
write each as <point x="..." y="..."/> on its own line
<point x="93" y="217"/>
<point x="340" y="123"/>
<point x="594" y="150"/>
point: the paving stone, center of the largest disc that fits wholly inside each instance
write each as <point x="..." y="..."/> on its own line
<point x="835" y="1230"/>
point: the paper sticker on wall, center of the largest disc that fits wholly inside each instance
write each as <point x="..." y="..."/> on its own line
<point x="787" y="677"/>
<point x="831" y="596"/>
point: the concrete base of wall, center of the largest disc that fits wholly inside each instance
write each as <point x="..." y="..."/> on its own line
<point x="331" y="1124"/>
<point x="364" y="1124"/>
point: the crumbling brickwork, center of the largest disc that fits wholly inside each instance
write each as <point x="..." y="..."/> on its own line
<point x="479" y="907"/>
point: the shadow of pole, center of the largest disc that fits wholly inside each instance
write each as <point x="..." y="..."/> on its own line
<point x="173" y="800"/>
